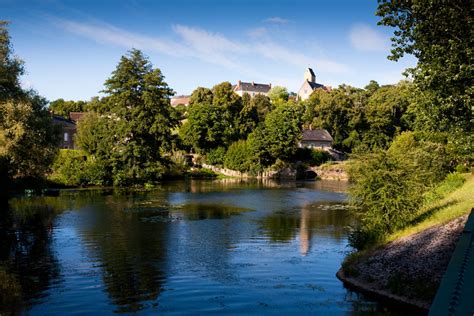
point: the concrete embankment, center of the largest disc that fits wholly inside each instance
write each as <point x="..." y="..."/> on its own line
<point x="407" y="270"/>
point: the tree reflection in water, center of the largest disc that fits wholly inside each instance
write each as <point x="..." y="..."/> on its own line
<point x="329" y="219"/>
<point x="131" y="251"/>
<point x="27" y="263"/>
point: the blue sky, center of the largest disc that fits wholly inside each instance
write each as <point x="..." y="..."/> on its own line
<point x="71" y="47"/>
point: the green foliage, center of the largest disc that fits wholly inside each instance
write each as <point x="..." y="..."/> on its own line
<point x="215" y="156"/>
<point x="278" y="94"/>
<point x="201" y="96"/>
<point x="133" y="123"/>
<point x="449" y="184"/>
<point x="27" y="136"/>
<point x="439" y="35"/>
<point x="238" y="156"/>
<point x="73" y="167"/>
<point x="388" y="186"/>
<point x="367" y="118"/>
<point x="11" y="67"/>
<point x="201" y="173"/>
<point x="311" y="156"/>
<point x="215" y="119"/>
<point x="204" y="128"/>
<point x="63" y="108"/>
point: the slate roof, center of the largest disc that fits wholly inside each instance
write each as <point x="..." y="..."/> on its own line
<point x="61" y="120"/>
<point x="311" y="72"/>
<point x="319" y="134"/>
<point x="315" y="85"/>
<point x="252" y="87"/>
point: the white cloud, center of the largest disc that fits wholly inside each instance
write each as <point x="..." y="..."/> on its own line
<point x="257" y="32"/>
<point x="366" y="39"/>
<point x="276" y="20"/>
<point x="213" y="48"/>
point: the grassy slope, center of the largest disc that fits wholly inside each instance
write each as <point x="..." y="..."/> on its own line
<point x="455" y="204"/>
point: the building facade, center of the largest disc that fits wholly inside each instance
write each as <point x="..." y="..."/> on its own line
<point x="180" y="99"/>
<point x="309" y="85"/>
<point x="316" y="139"/>
<point x="252" y="88"/>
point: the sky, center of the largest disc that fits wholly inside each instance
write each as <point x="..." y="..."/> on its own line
<point x="71" y="47"/>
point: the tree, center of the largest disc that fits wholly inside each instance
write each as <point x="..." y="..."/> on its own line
<point x="276" y="138"/>
<point x="63" y="108"/>
<point x="201" y="96"/>
<point x="27" y="136"/>
<point x="205" y="127"/>
<point x="278" y="94"/>
<point x="439" y="35"/>
<point x="11" y="68"/>
<point x="388" y="186"/>
<point x="386" y="114"/>
<point x="137" y="121"/>
<point x="263" y="106"/>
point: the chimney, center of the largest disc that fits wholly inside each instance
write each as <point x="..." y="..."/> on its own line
<point x="253" y="83"/>
<point x="270" y="84"/>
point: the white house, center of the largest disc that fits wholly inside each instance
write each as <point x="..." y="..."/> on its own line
<point x="252" y="88"/>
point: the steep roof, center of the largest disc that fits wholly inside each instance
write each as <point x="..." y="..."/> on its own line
<point x="319" y="134"/>
<point x="315" y="85"/>
<point x="252" y="87"/>
<point x="311" y="72"/>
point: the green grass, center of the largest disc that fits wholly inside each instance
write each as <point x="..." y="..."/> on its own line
<point x="440" y="211"/>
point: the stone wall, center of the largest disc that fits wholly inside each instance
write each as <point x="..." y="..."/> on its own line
<point x="285" y="173"/>
<point x="331" y="172"/>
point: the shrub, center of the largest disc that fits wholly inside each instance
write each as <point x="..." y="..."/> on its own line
<point x="462" y="168"/>
<point x="73" y="167"/>
<point x="69" y="167"/>
<point x="388" y="186"/>
<point x="215" y="156"/>
<point x="238" y="156"/>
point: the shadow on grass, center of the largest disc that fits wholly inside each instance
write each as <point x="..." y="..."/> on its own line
<point x="430" y="211"/>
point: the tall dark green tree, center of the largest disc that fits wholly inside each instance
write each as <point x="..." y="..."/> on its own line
<point x="139" y="121"/>
<point x="439" y="34"/>
<point x="11" y="68"/>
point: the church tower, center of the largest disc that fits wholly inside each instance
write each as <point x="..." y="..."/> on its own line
<point x="309" y="75"/>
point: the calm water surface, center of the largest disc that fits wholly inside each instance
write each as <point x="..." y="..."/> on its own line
<point x="183" y="248"/>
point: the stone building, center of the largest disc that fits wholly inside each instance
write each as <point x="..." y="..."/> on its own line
<point x="180" y="99"/>
<point x="68" y="128"/>
<point x="309" y="85"/>
<point x="252" y="88"/>
<point x="316" y="139"/>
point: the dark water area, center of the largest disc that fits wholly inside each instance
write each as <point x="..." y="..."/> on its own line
<point x="195" y="247"/>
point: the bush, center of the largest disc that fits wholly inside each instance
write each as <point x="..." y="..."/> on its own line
<point x="388" y="186"/>
<point x="215" y="156"/>
<point x="314" y="157"/>
<point x="73" y="167"/>
<point x="238" y="156"/>
<point x="462" y="168"/>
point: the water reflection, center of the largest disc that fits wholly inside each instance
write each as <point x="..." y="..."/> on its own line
<point x="198" y="246"/>
<point x="28" y="265"/>
<point x="131" y="252"/>
<point x="327" y="219"/>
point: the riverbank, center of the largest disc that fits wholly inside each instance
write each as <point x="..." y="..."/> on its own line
<point x="409" y="267"/>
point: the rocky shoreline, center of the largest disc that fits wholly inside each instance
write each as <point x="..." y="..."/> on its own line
<point x="407" y="270"/>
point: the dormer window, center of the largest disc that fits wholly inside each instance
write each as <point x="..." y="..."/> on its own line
<point x="66" y="137"/>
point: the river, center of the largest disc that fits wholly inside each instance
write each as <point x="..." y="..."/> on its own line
<point x="223" y="247"/>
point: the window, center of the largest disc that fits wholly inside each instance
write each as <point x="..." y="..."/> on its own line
<point x="66" y="137"/>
